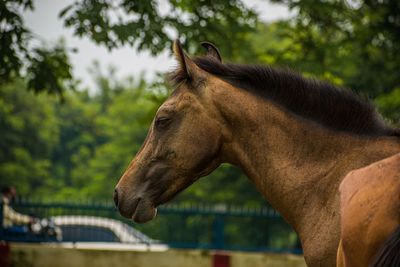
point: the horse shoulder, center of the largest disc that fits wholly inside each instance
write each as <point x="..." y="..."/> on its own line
<point x="370" y="210"/>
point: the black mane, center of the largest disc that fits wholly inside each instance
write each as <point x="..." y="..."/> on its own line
<point x="333" y="107"/>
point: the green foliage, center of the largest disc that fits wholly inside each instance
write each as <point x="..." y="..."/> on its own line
<point x="79" y="135"/>
<point x="28" y="134"/>
<point x="147" y="24"/>
<point x="143" y="24"/>
<point x="359" y="42"/>
<point x="351" y="43"/>
<point x="14" y="37"/>
<point x="50" y="70"/>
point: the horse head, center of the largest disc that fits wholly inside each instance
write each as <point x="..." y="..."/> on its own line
<point x="182" y="145"/>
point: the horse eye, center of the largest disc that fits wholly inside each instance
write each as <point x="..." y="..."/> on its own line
<point x="162" y="122"/>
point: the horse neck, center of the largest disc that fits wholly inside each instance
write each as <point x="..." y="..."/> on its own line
<point x="297" y="165"/>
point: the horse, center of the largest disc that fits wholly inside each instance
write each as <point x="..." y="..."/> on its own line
<point x="295" y="138"/>
<point x="369" y="204"/>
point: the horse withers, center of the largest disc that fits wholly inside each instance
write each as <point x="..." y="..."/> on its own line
<point x="295" y="138"/>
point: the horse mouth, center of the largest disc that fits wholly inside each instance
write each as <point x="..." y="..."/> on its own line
<point x="143" y="210"/>
<point x="143" y="207"/>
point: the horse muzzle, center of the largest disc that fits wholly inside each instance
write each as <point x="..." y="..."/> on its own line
<point x="139" y="209"/>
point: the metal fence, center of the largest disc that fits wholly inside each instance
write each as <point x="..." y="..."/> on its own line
<point x="180" y="226"/>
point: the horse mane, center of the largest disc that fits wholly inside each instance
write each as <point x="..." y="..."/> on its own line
<point x="328" y="105"/>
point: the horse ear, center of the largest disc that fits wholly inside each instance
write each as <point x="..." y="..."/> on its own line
<point x="185" y="62"/>
<point x="212" y="50"/>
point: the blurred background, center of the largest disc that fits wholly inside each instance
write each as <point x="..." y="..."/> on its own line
<point x="80" y="82"/>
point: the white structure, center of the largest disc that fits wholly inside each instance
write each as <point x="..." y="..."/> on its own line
<point x="128" y="236"/>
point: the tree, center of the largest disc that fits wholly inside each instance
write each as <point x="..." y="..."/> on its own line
<point x="357" y="40"/>
<point x="28" y="134"/>
<point x="14" y="37"/>
<point x="49" y="68"/>
<point x="113" y="24"/>
<point x="147" y="24"/>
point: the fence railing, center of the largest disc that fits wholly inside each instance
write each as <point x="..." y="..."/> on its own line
<point x="181" y="226"/>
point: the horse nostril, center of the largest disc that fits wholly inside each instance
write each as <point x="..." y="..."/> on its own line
<point x="116" y="197"/>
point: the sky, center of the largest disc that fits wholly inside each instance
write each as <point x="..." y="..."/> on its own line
<point x="45" y="25"/>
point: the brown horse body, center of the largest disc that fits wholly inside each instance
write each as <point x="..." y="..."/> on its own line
<point x="295" y="154"/>
<point x="370" y="214"/>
